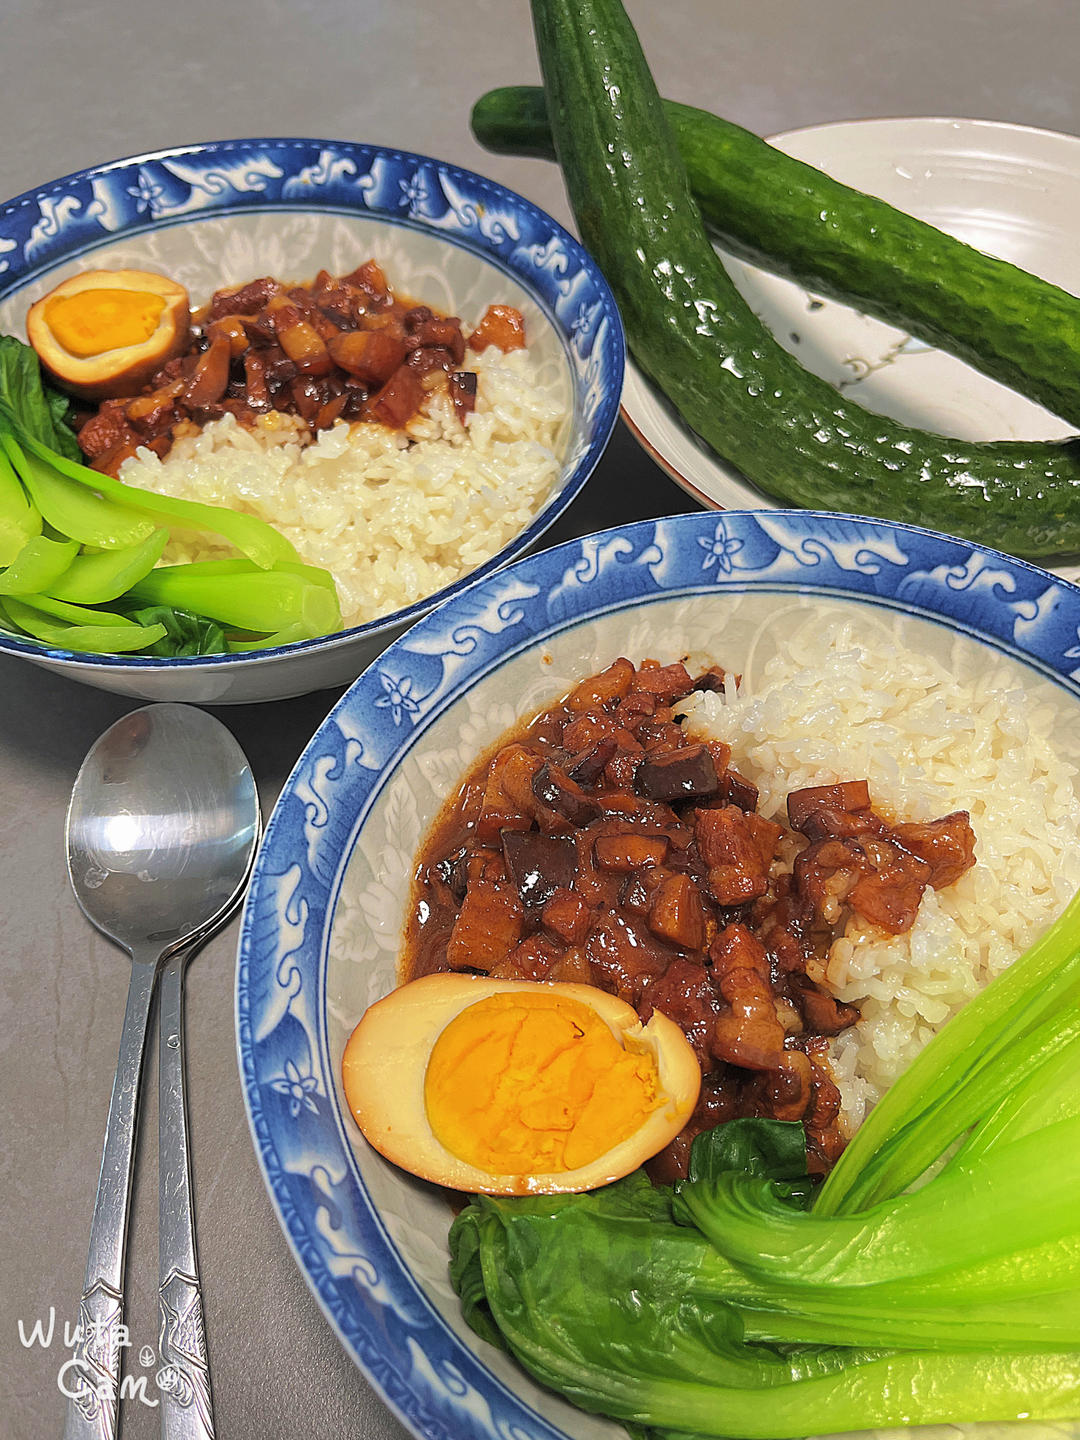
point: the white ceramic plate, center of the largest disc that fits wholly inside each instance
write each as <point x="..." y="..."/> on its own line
<point x="1009" y="190"/>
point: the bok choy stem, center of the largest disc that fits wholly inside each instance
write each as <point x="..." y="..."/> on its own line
<point x="259" y="600"/>
<point x="104" y="540"/>
<point x="1017" y="1001"/>
<point x="93" y="579"/>
<point x="38" y="566"/>
<point x="103" y="634"/>
<point x="20" y="519"/>
<point x="914" y="1147"/>
<point x="260" y="542"/>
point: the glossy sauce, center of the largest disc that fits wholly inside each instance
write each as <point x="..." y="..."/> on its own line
<point x="600" y="843"/>
<point x="340" y="348"/>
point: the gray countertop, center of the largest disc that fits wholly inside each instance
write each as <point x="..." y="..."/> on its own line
<point x="84" y="85"/>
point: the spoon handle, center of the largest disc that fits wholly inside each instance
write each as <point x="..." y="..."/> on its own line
<point x="183" y="1379"/>
<point x="92" y="1376"/>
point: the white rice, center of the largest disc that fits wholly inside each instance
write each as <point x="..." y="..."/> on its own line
<point x="828" y="709"/>
<point x="393" y="515"/>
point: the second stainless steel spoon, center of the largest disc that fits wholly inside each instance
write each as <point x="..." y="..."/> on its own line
<point x="161" y="833"/>
<point x="183" y="1375"/>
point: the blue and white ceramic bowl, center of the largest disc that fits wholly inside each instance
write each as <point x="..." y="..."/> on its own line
<point x="219" y="214"/>
<point x="324" y="920"/>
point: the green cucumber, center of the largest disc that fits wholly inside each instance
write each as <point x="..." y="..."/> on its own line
<point x="789" y="432"/>
<point x="795" y="221"/>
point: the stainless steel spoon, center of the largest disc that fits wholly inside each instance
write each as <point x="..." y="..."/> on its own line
<point x="161" y="834"/>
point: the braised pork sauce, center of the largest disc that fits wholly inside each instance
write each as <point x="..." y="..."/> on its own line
<point x="340" y="348"/>
<point x="603" y="845"/>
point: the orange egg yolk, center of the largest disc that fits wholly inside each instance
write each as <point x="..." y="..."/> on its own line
<point x="533" y="1085"/>
<point x="94" y="321"/>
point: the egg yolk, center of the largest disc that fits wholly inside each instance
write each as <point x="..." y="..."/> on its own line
<point x="534" y="1085"/>
<point x="93" y="321"/>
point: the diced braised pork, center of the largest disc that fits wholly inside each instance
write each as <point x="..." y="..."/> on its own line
<point x="491" y="920"/>
<point x="370" y="355"/>
<point x="738" y="873"/>
<point x="501" y="326"/>
<point x="676" y="913"/>
<point x="685" y="993"/>
<point x="630" y="850"/>
<point x="736" y="948"/>
<point x="567" y="916"/>
<point x="946" y="845"/>
<point x="340" y="348"/>
<point x="599" y="690"/>
<point x="244" y="299"/>
<point x="555" y="790"/>
<point x="627" y="854"/>
<point x="750" y="1034"/>
<point x="824" y="1014"/>
<point x="850" y="795"/>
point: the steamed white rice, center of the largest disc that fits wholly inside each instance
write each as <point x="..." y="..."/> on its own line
<point x="828" y="709"/>
<point x="393" y="515"/>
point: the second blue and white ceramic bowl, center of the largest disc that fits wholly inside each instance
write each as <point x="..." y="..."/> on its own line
<point x="323" y="926"/>
<point x="219" y="214"/>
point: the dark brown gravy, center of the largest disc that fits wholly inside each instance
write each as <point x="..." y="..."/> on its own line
<point x="599" y="843"/>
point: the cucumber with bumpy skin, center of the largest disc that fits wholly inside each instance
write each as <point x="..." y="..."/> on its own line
<point x="794" y="220"/>
<point x="789" y="432"/>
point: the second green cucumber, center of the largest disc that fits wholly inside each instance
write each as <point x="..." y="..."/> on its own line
<point x="796" y="221"/>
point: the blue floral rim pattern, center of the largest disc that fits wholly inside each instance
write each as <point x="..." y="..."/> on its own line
<point x="434" y="1383"/>
<point x="71" y="217"/>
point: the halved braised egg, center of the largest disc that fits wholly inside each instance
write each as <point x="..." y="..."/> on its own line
<point x="516" y="1087"/>
<point x="104" y="333"/>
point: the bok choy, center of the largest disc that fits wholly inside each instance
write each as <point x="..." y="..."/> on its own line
<point x="933" y="1278"/>
<point x="73" y="541"/>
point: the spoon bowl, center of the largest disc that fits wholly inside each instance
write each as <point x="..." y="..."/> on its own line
<point x="162" y="829"/>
